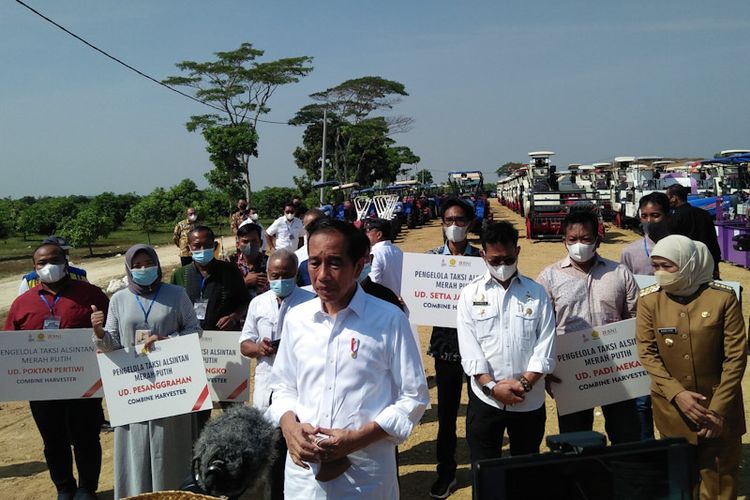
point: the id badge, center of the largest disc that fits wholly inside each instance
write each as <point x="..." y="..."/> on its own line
<point x="142" y="333"/>
<point x="200" y="309"/>
<point x="51" y="323"/>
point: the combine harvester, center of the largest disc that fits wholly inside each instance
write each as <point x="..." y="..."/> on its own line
<point x="549" y="196"/>
<point x="469" y="186"/>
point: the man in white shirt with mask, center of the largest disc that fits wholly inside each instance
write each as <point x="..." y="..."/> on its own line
<point x="457" y="218"/>
<point x="506" y="334"/>
<point x="587" y="291"/>
<point x="387" y="258"/>
<point x="348" y="382"/>
<point x="311" y="216"/>
<point x="286" y="231"/>
<point x="261" y="336"/>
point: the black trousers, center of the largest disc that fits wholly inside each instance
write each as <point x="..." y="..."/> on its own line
<point x="621" y="421"/>
<point x="485" y="426"/>
<point x="449" y="377"/>
<point x="65" y="423"/>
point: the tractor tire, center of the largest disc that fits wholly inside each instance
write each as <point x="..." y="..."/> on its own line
<point x="411" y="220"/>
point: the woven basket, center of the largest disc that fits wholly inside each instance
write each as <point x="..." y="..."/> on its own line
<point x="171" y="495"/>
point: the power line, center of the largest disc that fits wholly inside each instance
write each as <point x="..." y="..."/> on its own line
<point x="131" y="68"/>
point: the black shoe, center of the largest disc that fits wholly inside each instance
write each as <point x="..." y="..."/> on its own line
<point x="64" y="495"/>
<point x="442" y="487"/>
<point x="84" y="494"/>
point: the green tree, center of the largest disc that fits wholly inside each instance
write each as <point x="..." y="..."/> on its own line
<point x="115" y="206"/>
<point x="150" y="211"/>
<point x="215" y="206"/>
<point x="239" y="87"/>
<point x="360" y="145"/>
<point x="46" y="215"/>
<point x="508" y="168"/>
<point x="86" y="227"/>
<point x="270" y="200"/>
<point x="424" y="176"/>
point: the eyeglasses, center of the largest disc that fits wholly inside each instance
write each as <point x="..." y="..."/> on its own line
<point x="508" y="261"/>
<point x="459" y="221"/>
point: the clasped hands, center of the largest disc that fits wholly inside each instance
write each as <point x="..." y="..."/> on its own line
<point x="509" y="391"/>
<point x="307" y="443"/>
<point x="710" y="423"/>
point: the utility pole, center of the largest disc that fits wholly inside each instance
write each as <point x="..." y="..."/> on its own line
<point x="323" y="155"/>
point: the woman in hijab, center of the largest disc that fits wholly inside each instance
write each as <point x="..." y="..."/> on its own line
<point x="691" y="340"/>
<point x="153" y="455"/>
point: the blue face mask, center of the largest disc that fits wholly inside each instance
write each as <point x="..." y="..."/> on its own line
<point x="365" y="271"/>
<point x="203" y="257"/>
<point x="145" y="276"/>
<point x="282" y="288"/>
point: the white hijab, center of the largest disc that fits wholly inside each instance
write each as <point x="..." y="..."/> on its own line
<point x="696" y="266"/>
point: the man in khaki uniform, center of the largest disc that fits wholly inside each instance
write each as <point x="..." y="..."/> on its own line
<point x="180" y="237"/>
<point x="694" y="348"/>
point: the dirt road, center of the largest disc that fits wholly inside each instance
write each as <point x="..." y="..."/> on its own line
<point x="23" y="472"/>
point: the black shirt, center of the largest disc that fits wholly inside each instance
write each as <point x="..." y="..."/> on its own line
<point x="696" y="224"/>
<point x="380" y="292"/>
<point x="223" y="287"/>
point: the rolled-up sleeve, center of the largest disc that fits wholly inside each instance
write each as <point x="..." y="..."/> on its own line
<point x="111" y="339"/>
<point x="473" y="360"/>
<point x="250" y="327"/>
<point x="543" y="357"/>
<point x="399" y="418"/>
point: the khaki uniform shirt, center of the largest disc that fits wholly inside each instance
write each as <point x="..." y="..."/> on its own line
<point x="236" y="220"/>
<point x="694" y="343"/>
<point x="180" y="238"/>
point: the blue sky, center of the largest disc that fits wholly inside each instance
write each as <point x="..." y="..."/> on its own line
<point x="488" y="82"/>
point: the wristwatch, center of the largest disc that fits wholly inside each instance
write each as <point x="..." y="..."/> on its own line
<point x="487" y="388"/>
<point x="525" y="383"/>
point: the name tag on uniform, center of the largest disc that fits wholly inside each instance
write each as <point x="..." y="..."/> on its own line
<point x="200" y="309"/>
<point x="481" y="303"/>
<point x="667" y="331"/>
<point x="51" y="323"/>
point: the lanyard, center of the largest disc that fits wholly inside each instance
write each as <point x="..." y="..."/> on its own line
<point x="203" y="283"/>
<point x="645" y="248"/>
<point x="145" y="312"/>
<point x="54" y="303"/>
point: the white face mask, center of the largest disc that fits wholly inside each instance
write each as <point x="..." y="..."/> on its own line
<point x="192" y="217"/>
<point x="253" y="217"/>
<point x="289" y="217"/>
<point x="503" y="272"/>
<point x="581" y="252"/>
<point x="52" y="273"/>
<point x="456" y="234"/>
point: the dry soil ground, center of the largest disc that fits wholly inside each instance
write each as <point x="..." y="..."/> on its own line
<point x="23" y="473"/>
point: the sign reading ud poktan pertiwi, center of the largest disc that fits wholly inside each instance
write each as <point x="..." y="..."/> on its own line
<point x="431" y="285"/>
<point x="40" y="365"/>
<point x="227" y="370"/>
<point x="597" y="367"/>
<point x="170" y="380"/>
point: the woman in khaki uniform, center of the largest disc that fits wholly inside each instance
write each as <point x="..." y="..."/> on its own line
<point x="691" y="341"/>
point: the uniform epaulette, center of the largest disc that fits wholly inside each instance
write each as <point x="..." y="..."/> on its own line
<point x="721" y="286"/>
<point x="650" y="289"/>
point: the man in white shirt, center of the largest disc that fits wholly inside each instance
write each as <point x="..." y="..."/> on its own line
<point x="348" y="382"/>
<point x="387" y="258"/>
<point x="506" y="336"/>
<point x="286" y="231"/>
<point x="261" y="336"/>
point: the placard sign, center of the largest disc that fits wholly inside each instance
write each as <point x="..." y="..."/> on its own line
<point x="431" y="285"/>
<point x="39" y="365"/>
<point x="170" y="380"/>
<point x="227" y="370"/>
<point x="598" y="367"/>
<point x="644" y="280"/>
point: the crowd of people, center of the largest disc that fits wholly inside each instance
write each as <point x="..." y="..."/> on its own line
<point x="339" y="371"/>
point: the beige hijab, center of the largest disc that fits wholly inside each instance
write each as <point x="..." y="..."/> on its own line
<point x="693" y="259"/>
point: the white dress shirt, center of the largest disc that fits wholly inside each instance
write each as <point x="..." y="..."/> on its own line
<point x="342" y="372"/>
<point x="264" y="316"/>
<point x="287" y="233"/>
<point x="387" y="263"/>
<point x="505" y="333"/>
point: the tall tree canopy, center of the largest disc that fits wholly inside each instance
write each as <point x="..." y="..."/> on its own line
<point x="239" y="88"/>
<point x="358" y="141"/>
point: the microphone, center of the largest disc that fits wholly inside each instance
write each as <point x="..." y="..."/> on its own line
<point x="234" y="450"/>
